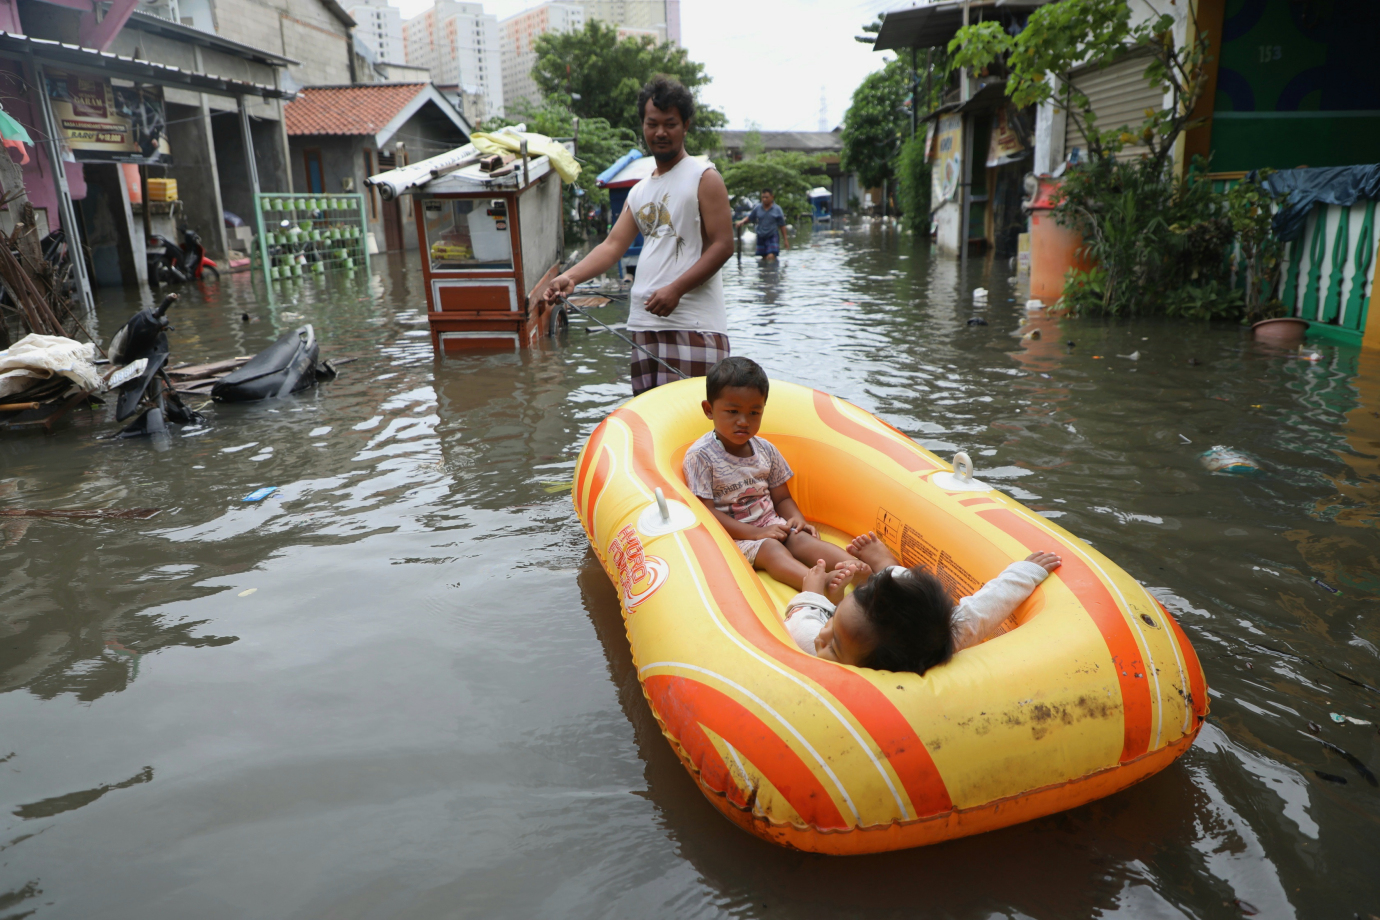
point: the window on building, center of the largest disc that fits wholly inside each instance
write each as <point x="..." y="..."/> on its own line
<point x="316" y="177"/>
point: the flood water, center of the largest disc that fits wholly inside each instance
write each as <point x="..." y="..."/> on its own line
<point x="400" y="686"/>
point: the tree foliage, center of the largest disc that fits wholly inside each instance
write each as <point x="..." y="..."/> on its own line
<point x="785" y="172"/>
<point x="913" y="192"/>
<point x="601" y="77"/>
<point x="876" y="123"/>
<point x="1061" y="36"/>
<point x="598" y="146"/>
<point x="1160" y="243"/>
<point x="878" y="120"/>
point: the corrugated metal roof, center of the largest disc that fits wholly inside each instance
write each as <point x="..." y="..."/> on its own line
<point x="46" y="51"/>
<point x="930" y="25"/>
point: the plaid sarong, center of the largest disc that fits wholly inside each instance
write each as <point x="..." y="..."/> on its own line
<point x="693" y="352"/>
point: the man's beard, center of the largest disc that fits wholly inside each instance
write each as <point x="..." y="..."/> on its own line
<point x="667" y="156"/>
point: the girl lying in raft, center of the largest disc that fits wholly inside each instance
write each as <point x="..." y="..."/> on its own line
<point x="902" y="619"/>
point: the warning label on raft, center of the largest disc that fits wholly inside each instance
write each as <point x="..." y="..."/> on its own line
<point x="915" y="550"/>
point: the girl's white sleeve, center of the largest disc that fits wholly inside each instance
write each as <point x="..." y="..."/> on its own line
<point x="980" y="613"/>
<point x="806" y="615"/>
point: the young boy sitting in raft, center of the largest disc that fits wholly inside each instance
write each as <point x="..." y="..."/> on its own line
<point x="903" y="619"/>
<point x="897" y="619"/>
<point x="742" y="479"/>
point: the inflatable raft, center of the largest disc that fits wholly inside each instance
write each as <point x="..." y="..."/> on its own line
<point x="1088" y="688"/>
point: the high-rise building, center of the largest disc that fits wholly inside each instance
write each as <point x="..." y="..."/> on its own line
<point x="519" y="40"/>
<point x="459" y="44"/>
<point x="657" y="18"/>
<point x="379" y="26"/>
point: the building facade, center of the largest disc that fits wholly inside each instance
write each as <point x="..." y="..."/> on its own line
<point x="519" y="54"/>
<point x="458" y="43"/>
<point x="341" y="135"/>
<point x="659" y="19"/>
<point x="379" y="27"/>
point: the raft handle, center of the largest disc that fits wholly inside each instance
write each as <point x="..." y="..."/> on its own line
<point x="961" y="479"/>
<point x="963" y="466"/>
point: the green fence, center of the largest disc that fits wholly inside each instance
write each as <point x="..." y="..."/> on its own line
<point x="1328" y="270"/>
<point x="297" y="235"/>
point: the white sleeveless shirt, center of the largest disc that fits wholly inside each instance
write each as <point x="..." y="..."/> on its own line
<point x="667" y="211"/>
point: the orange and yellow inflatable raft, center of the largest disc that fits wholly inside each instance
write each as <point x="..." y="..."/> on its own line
<point x="1090" y="687"/>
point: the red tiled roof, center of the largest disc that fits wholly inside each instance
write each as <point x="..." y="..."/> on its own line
<point x="350" y="110"/>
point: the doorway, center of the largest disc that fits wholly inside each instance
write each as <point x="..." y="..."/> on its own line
<point x="392" y="211"/>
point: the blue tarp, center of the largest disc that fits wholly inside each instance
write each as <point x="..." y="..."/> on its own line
<point x="1340" y="185"/>
<point x="618" y="166"/>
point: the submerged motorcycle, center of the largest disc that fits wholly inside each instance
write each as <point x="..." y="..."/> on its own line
<point x="290" y="364"/>
<point x="169" y="262"/>
<point x="139" y="353"/>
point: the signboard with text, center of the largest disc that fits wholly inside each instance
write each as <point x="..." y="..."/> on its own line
<point x="102" y="122"/>
<point x="948" y="159"/>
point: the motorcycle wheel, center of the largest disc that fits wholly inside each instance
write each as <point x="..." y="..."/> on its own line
<point x="210" y="272"/>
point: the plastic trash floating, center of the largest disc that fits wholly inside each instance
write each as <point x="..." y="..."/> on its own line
<point x="1223" y="459"/>
<point x="259" y="495"/>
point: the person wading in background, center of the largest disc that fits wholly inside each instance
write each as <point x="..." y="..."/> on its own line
<point x="769" y="218"/>
<point x="677" y="300"/>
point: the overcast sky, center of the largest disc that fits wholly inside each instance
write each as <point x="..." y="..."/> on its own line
<point x="769" y="59"/>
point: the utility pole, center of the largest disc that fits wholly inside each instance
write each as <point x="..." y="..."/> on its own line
<point x="966" y="180"/>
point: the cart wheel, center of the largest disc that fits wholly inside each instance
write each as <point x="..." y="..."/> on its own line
<point x="558" y="323"/>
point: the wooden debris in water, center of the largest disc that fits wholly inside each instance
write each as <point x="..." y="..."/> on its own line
<point x="135" y="514"/>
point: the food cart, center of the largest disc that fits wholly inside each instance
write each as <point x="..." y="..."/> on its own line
<point x="491" y="242"/>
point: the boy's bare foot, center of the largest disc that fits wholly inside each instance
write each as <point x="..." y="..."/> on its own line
<point x="838" y="581"/>
<point x="861" y="572"/>
<point x="1047" y="561"/>
<point x="843" y="575"/>
<point x="816" y="580"/>
<point x="872" y="551"/>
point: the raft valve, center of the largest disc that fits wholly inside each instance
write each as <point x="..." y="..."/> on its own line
<point x="665" y="515"/>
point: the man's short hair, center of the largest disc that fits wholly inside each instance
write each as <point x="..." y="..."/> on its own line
<point x="766" y="191"/>
<point x="666" y="93"/>
<point x="735" y="372"/>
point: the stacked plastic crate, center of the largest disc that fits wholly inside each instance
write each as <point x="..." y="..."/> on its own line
<point x="300" y="235"/>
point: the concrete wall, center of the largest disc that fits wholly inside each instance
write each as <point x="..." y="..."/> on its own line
<point x="949" y="222"/>
<point x="341" y="158"/>
<point x="304" y="30"/>
<point x="108" y="229"/>
<point x="235" y="190"/>
<point x="194" y="168"/>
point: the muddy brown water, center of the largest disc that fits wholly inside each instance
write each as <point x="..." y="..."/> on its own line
<point x="400" y="686"/>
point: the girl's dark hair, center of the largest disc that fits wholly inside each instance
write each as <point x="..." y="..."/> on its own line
<point x="666" y="93"/>
<point x="735" y="372"/>
<point x="911" y="618"/>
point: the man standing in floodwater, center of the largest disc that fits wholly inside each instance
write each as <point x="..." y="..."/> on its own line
<point x="677" y="300"/>
<point x="769" y="218"/>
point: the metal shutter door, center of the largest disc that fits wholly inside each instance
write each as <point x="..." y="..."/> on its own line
<point x="1119" y="95"/>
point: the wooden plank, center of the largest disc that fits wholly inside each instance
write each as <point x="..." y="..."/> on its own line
<point x="194" y="371"/>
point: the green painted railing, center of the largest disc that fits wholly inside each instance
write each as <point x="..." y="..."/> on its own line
<point x="1327" y="271"/>
<point x="298" y="235"/>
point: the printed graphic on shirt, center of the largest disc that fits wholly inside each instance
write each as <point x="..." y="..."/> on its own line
<point x="654" y="220"/>
<point x="739" y="486"/>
